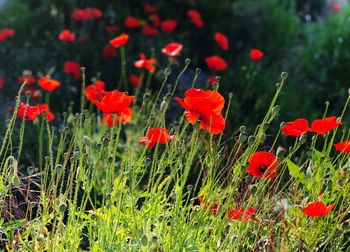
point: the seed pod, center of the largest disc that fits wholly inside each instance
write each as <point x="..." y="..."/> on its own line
<point x="243" y="128"/>
<point x="280" y="152"/>
<point x="251" y="140"/>
<point x="242" y="137"/>
<point x="187" y="61"/>
<point x="86" y="140"/>
<point x="59" y="169"/>
<point x="63" y="207"/>
<point x="30" y="170"/>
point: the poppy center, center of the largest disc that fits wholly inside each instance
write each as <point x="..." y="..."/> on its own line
<point x="262" y="168"/>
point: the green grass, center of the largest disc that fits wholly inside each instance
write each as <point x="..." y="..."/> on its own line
<point x="99" y="189"/>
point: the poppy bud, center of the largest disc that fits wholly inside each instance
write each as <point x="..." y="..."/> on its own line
<point x="59" y="169"/>
<point x="263" y="137"/>
<point x="104" y="139"/>
<point x="327" y="103"/>
<point x="146" y="97"/>
<point x="280" y="152"/>
<point x="63" y="207"/>
<point x="110" y="159"/>
<point x="284" y="75"/>
<point x="278" y="85"/>
<point x="148" y="161"/>
<point x="282" y="124"/>
<point x="30" y="170"/>
<point x="198" y="71"/>
<point x="163" y="105"/>
<point x="167" y="72"/>
<point x="349" y="91"/>
<point x="86" y="140"/>
<point x="76" y="156"/>
<point x="82" y="69"/>
<point x="253" y="189"/>
<point x="98" y="146"/>
<point x="218" y="78"/>
<point x="27" y="73"/>
<point x="251" y="140"/>
<point x="167" y="97"/>
<point x="276" y="109"/>
<point x="187" y="61"/>
<point x="189" y="187"/>
<point x="230" y="95"/>
<point x="302" y="139"/>
<point x="215" y="86"/>
<point x="242" y="137"/>
<point x="66" y="155"/>
<point x="16" y="181"/>
<point x="243" y="128"/>
<point x="154" y="239"/>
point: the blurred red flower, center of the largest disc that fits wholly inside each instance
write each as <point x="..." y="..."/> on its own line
<point x="205" y="106"/>
<point x="135" y="80"/>
<point x="195" y="18"/>
<point x="237" y="214"/>
<point x="32" y="112"/>
<point x="168" y="25"/>
<point x="72" y="68"/>
<point x="121" y="40"/>
<point x="321" y="126"/>
<point x="6" y="33"/>
<point x="95" y="91"/>
<point x="214" y="209"/>
<point x="263" y="165"/>
<point x="123" y="117"/>
<point x="216" y="63"/>
<point x="66" y="36"/>
<point x="149" y="30"/>
<point x="113" y="102"/>
<point x="145" y="63"/>
<point x="222" y="41"/>
<point x="112" y="28"/>
<point x="317" y="208"/>
<point x="48" y="84"/>
<point x="154" y="136"/>
<point x="109" y="52"/>
<point x="2" y="82"/>
<point x="86" y="14"/>
<point x="150" y="8"/>
<point x="131" y="22"/>
<point x="296" y="128"/>
<point x="30" y="80"/>
<point x="336" y="6"/>
<point x="155" y="19"/>
<point x="212" y="80"/>
<point x="256" y="54"/>
<point x="343" y="146"/>
<point x="172" y="49"/>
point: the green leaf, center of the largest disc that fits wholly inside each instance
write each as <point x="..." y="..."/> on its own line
<point x="294" y="171"/>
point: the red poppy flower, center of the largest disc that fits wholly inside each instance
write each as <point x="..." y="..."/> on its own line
<point x="263" y="165"/>
<point x="109" y="52"/>
<point x="154" y="136"/>
<point x="48" y="84"/>
<point x="195" y="18"/>
<point x="237" y="214"/>
<point x="113" y="102"/>
<point x="155" y="19"/>
<point x="120" y="40"/>
<point x="72" y="68"/>
<point x="6" y="33"/>
<point x="216" y="63"/>
<point x="96" y="91"/>
<point x="32" y="112"/>
<point x="343" y="146"/>
<point x="214" y="209"/>
<point x="149" y="30"/>
<point x="256" y="54"/>
<point x="131" y="22"/>
<point x="35" y="94"/>
<point x="2" y="82"/>
<point x="150" y="8"/>
<point x="30" y="80"/>
<point x="48" y="114"/>
<point x="66" y="36"/>
<point x="172" y="49"/>
<point x="124" y="117"/>
<point x="296" y="128"/>
<point x="321" y="126"/>
<point x="317" y="208"/>
<point x="168" y="25"/>
<point x="86" y="14"/>
<point x="335" y="6"/>
<point x="112" y="28"/>
<point x="205" y="106"/>
<point x="221" y="40"/>
<point x="135" y="80"/>
<point x="145" y="63"/>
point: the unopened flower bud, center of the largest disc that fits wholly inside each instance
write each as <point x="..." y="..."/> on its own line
<point x="284" y="75"/>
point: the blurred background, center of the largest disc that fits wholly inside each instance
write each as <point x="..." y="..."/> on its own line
<point x="309" y="39"/>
